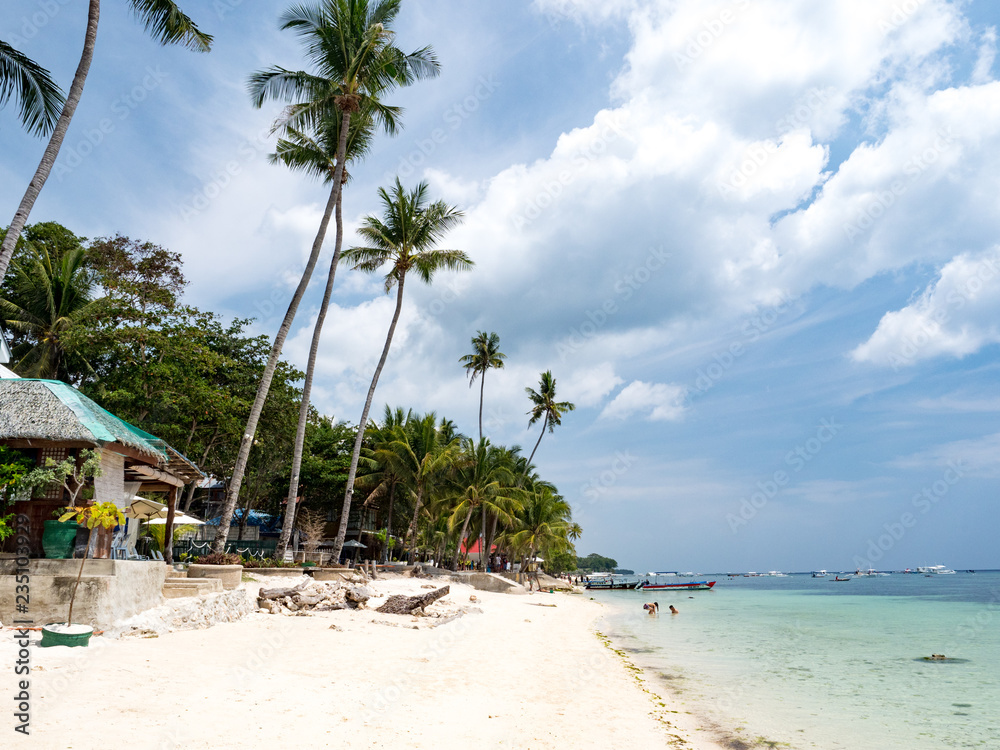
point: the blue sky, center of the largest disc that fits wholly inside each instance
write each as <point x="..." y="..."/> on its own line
<point x="755" y="241"/>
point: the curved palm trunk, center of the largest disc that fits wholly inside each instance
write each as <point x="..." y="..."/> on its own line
<point x="482" y="387"/>
<point x="236" y="482"/>
<point x="411" y="535"/>
<point x="338" y="543"/>
<point x="291" y="508"/>
<point x="388" y="523"/>
<point x="461" y="538"/>
<point x="544" y="425"/>
<point x="55" y="141"/>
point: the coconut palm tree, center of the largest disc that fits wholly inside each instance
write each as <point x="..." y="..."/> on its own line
<point x="52" y="295"/>
<point x="486" y="354"/>
<point x="380" y="479"/>
<point x="349" y="43"/>
<point x="545" y="405"/>
<point x="317" y="156"/>
<point x="31" y="85"/>
<point x="166" y="23"/>
<point x="419" y="458"/>
<point x="545" y="525"/>
<point x="484" y="482"/>
<point x="404" y="238"/>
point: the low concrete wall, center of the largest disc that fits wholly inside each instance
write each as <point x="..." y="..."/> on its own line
<point x="488" y="582"/>
<point x="110" y="590"/>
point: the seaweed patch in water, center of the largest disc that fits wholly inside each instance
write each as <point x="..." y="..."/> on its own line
<point x="940" y="660"/>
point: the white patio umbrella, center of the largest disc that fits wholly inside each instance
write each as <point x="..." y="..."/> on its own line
<point x="142" y="509"/>
<point x="180" y="519"/>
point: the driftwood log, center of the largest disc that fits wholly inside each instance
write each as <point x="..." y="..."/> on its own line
<point x="404" y="605"/>
<point x="282" y="593"/>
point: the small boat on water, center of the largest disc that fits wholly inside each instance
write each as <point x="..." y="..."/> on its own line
<point x="819" y="574"/>
<point x="610" y="581"/>
<point x="838" y="578"/>
<point x="652" y="582"/>
<point x="936" y="570"/>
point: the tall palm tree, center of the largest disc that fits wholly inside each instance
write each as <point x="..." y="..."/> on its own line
<point x="166" y="23"/>
<point x="485" y="483"/>
<point x="51" y="296"/>
<point x="382" y="479"/>
<point x="317" y="157"/>
<point x="545" y="405"/>
<point x="545" y="525"/>
<point x="486" y="354"/>
<point x="349" y="43"/>
<point x="404" y="238"/>
<point x="31" y="85"/>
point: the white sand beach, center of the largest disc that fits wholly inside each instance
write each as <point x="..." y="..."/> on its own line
<point x="517" y="673"/>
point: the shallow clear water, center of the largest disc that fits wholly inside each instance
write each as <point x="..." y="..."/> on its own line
<point x="820" y="664"/>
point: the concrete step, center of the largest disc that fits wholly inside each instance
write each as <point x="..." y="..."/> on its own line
<point x="177" y="588"/>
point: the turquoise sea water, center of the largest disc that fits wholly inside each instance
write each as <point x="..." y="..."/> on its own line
<point x="819" y="664"/>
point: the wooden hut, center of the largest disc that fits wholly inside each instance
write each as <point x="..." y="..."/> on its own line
<point x="48" y="419"/>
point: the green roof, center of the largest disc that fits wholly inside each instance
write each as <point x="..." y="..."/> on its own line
<point x="54" y="411"/>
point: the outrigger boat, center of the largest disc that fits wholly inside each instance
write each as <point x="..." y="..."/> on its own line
<point x="608" y="581"/>
<point x="655" y="585"/>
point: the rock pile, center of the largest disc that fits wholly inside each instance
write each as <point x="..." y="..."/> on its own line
<point x="314" y="596"/>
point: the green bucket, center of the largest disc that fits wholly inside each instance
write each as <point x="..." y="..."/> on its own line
<point x="59" y="539"/>
<point x="53" y="638"/>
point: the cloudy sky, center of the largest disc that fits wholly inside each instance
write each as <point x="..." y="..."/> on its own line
<point x="756" y="242"/>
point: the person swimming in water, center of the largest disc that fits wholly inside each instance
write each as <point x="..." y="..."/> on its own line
<point x="673" y="610"/>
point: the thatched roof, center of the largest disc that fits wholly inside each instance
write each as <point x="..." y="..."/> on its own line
<point x="52" y="411"/>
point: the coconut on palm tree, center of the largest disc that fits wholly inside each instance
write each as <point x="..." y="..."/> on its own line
<point x="166" y="23"/>
<point x="485" y="355"/>
<point x="350" y="45"/>
<point x="545" y="406"/>
<point x="31" y="86"/>
<point x="404" y="239"/>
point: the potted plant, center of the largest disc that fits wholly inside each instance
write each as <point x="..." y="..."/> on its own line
<point x="72" y="474"/>
<point x="106" y="515"/>
<point x="226" y="567"/>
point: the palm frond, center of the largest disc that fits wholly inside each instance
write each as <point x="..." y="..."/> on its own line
<point x="168" y="24"/>
<point x="39" y="98"/>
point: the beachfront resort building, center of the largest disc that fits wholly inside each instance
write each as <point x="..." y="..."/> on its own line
<point x="48" y="419"/>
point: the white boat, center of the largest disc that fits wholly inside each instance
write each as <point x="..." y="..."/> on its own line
<point x="936" y="570"/>
<point x="777" y="574"/>
<point x="819" y="574"/>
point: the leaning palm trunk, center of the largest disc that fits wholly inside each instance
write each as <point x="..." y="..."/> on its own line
<point x="411" y="536"/>
<point x="300" y="433"/>
<point x="338" y="543"/>
<point x="461" y="539"/>
<point x="246" y="443"/>
<point x="528" y="464"/>
<point x="55" y="141"/>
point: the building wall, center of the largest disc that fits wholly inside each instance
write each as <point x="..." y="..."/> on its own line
<point x="110" y="590"/>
